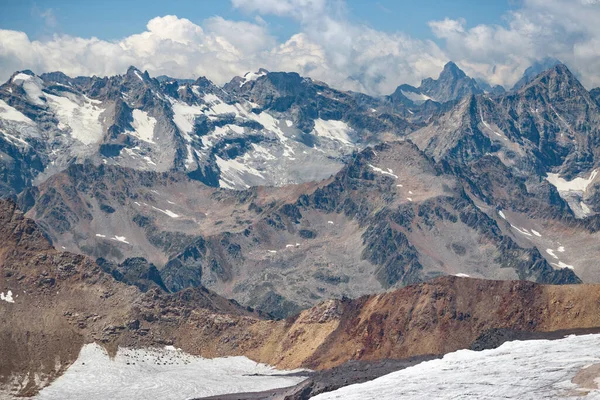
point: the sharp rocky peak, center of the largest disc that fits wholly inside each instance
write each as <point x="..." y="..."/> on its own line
<point x="534" y="70"/>
<point x="452" y="71"/>
<point x="558" y="81"/>
<point x="133" y="72"/>
<point x="452" y="84"/>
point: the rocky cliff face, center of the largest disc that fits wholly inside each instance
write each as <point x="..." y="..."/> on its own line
<point x="534" y="70"/>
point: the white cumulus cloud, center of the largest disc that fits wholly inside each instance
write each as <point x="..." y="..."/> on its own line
<point x="327" y="47"/>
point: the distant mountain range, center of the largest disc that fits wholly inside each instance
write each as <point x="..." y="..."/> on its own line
<point x="334" y="194"/>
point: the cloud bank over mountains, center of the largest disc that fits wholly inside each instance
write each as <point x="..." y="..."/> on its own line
<point x="328" y="46"/>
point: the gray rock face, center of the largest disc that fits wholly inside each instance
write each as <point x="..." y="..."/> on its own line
<point x="452" y="84"/>
<point x="595" y="93"/>
<point x="534" y="70"/>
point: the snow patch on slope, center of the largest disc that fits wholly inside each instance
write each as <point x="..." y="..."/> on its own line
<point x="143" y="125"/>
<point x="415" y="97"/>
<point x="563" y="265"/>
<point x="334" y="130"/>
<point x="233" y="171"/>
<point x="81" y="115"/>
<point x="572" y="191"/>
<point x="8" y="297"/>
<point x="184" y="116"/>
<point x="168" y="374"/>
<point x="12" y="114"/>
<point x="139" y="76"/>
<point x="536" y="369"/>
<point x="166" y="212"/>
<point x="252" y="76"/>
<point x="381" y="171"/>
<point x="576" y="185"/>
<point x="32" y="86"/>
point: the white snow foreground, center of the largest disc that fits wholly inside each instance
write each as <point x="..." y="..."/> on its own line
<point x="165" y="374"/>
<point x="537" y="369"/>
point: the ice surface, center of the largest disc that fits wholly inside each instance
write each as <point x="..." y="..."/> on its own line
<point x="536" y="233"/>
<point x="537" y="369"/>
<point x="502" y="214"/>
<point x="166" y="374"/>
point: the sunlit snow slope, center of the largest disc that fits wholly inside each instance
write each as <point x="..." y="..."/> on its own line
<point x="540" y="369"/>
<point x="160" y="374"/>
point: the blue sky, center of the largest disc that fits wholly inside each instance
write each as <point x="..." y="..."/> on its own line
<point x="115" y="19"/>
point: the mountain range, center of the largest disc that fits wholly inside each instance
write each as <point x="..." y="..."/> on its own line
<point x="290" y="197"/>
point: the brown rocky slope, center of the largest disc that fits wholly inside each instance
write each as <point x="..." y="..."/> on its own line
<point x="62" y="301"/>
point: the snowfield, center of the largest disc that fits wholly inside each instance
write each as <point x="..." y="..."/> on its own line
<point x="334" y="130"/>
<point x="81" y="115"/>
<point x="576" y="185"/>
<point x="166" y="374"/>
<point x="12" y="114"/>
<point x="537" y="369"/>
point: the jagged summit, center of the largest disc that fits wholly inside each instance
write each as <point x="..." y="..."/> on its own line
<point x="534" y="70"/>
<point x="135" y="72"/>
<point x="451" y="70"/>
<point x="452" y="84"/>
